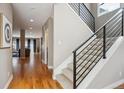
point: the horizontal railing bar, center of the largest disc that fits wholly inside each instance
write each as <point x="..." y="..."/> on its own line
<point x="82" y="7"/>
<point x="114" y="24"/>
<point x="88" y="10"/>
<point x="89" y="59"/>
<point x="88" y="51"/>
<point x="113" y="35"/>
<point x="92" y="62"/>
<point x="116" y="33"/>
<point x="92" y="46"/>
<point x="75" y="7"/>
<point x="111" y="23"/>
<point x="98" y="30"/>
<point x="113" y="29"/>
<point x="86" y="47"/>
<point x="86" y="13"/>
<point x="90" y="25"/>
<point x="83" y="14"/>
<point x="111" y="40"/>
<point x="88" y="44"/>
<point x="89" y="71"/>
<point x="110" y="19"/>
<point x="85" y="19"/>
<point x="86" y="41"/>
<point x="110" y="47"/>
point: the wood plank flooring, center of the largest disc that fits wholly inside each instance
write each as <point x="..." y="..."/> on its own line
<point x="120" y="86"/>
<point x="31" y="73"/>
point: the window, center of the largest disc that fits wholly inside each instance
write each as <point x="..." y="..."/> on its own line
<point x="104" y="8"/>
<point x="14" y="44"/>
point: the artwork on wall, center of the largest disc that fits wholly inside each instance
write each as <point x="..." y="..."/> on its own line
<point x="5" y="32"/>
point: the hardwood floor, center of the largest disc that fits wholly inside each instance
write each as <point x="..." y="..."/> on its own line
<point x="30" y="73"/>
<point x="120" y="87"/>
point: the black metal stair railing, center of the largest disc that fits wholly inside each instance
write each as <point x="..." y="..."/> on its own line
<point x="100" y="42"/>
<point x="84" y="14"/>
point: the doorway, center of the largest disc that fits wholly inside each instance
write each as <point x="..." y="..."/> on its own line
<point x="46" y="46"/>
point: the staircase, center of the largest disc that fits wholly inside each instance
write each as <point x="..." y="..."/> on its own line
<point x="88" y="54"/>
<point x="91" y="59"/>
<point x="83" y="12"/>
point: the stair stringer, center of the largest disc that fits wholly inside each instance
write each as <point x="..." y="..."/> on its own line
<point x="99" y="66"/>
<point x="65" y="63"/>
<point x="59" y="69"/>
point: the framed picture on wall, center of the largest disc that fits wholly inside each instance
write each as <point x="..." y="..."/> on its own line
<point x="5" y="32"/>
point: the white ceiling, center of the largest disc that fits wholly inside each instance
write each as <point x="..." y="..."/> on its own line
<point x="23" y="12"/>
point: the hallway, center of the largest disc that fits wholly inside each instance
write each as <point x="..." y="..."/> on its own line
<point x="30" y="73"/>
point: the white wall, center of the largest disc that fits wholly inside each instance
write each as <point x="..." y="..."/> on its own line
<point x="50" y="43"/>
<point x="5" y="54"/>
<point x="69" y="32"/>
<point x="113" y="70"/>
<point x="43" y="44"/>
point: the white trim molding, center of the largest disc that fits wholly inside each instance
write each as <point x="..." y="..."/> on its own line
<point x="43" y="61"/>
<point x="58" y="70"/>
<point x="8" y="82"/>
<point x="50" y="67"/>
<point x="54" y="77"/>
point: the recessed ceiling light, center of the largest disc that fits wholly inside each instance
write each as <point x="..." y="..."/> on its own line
<point x="31" y="20"/>
<point x="30" y="28"/>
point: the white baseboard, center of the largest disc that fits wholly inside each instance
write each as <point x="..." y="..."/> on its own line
<point x="8" y="82"/>
<point x="43" y="61"/>
<point x="53" y="76"/>
<point x="50" y="67"/>
<point x="58" y="70"/>
<point x="115" y="84"/>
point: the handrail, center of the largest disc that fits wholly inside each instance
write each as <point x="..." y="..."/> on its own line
<point x="85" y="59"/>
<point x="88" y="10"/>
<point x="85" y="14"/>
<point x="119" y="11"/>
